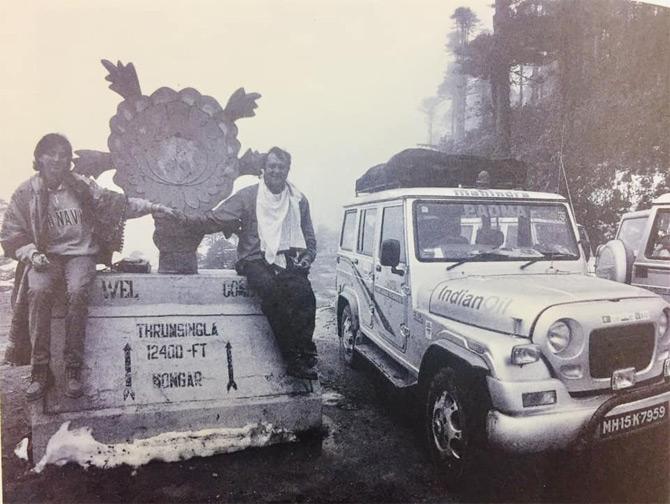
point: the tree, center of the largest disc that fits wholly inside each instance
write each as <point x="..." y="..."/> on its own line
<point x="465" y="21"/>
<point x="429" y="107"/>
<point x="500" y="86"/>
<point x="596" y="75"/>
<point x="217" y="253"/>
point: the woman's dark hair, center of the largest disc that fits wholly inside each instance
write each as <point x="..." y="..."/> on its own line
<point x="47" y="142"/>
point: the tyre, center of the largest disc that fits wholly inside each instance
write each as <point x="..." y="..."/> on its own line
<point x="311" y="442"/>
<point x="451" y="423"/>
<point x="349" y="337"/>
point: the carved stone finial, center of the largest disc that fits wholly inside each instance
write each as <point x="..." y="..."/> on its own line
<point x="178" y="148"/>
<point x="123" y="78"/>
<point x="241" y="104"/>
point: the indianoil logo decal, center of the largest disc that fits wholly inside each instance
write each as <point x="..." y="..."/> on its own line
<point x="474" y="301"/>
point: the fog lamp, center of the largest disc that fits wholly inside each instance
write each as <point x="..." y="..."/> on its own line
<point x="573" y="371"/>
<point x="530" y="399"/>
<point x="525" y="354"/>
<point x="666" y="368"/>
<point x="623" y="378"/>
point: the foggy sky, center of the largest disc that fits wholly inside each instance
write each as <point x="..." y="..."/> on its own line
<point x="342" y="80"/>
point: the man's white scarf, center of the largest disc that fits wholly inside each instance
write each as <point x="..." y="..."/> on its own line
<point x="278" y="217"/>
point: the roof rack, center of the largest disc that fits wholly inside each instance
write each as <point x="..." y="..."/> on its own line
<point x="430" y="168"/>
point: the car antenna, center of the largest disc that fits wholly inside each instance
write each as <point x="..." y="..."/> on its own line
<point x="562" y="170"/>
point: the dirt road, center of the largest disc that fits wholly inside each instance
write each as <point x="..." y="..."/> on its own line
<point x="370" y="453"/>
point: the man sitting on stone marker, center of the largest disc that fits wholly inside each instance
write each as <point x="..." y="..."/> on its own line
<point x="275" y="250"/>
<point x="58" y="225"/>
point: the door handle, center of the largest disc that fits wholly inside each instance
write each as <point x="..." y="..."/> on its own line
<point x="378" y="267"/>
<point x="354" y="260"/>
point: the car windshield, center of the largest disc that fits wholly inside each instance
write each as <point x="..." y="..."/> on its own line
<point x="493" y="231"/>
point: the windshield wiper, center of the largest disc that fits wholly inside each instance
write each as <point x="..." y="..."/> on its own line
<point x="549" y="256"/>
<point x="481" y="255"/>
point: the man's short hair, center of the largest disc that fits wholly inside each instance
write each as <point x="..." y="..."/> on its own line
<point x="47" y="142"/>
<point x="483" y="179"/>
<point x="281" y="154"/>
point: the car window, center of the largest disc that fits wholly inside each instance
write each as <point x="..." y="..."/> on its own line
<point x="366" y="239"/>
<point x="630" y="233"/>
<point x="348" y="236"/>
<point x="510" y="239"/>
<point x="448" y="230"/>
<point x="393" y="225"/>
<point x="552" y="233"/>
<point x="659" y="240"/>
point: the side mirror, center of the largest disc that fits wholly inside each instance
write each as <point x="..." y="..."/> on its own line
<point x="390" y="254"/>
<point x="614" y="262"/>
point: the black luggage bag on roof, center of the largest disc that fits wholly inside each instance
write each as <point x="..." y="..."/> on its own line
<point x="429" y="168"/>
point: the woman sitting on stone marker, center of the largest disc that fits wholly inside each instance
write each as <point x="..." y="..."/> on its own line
<point x="58" y="225"/>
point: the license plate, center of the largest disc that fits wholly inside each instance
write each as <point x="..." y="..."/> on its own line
<point x="633" y="420"/>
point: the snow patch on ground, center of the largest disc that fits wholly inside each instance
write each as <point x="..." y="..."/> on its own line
<point x="331" y="398"/>
<point x="9" y="266"/>
<point x="79" y="446"/>
<point x="21" y="449"/>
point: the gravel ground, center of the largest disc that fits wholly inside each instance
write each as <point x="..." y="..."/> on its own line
<point x="370" y="452"/>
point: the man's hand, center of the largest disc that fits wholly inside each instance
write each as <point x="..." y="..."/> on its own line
<point x="232" y="227"/>
<point x="304" y="263"/>
<point x="164" y="212"/>
<point x="39" y="261"/>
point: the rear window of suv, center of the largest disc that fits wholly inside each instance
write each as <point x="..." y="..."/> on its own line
<point x="366" y="241"/>
<point x="348" y="236"/>
<point x="630" y="232"/>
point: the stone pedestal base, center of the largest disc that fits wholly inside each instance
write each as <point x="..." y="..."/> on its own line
<point x="178" y="263"/>
<point x="172" y="353"/>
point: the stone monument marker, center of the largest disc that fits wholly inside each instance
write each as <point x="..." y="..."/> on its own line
<point x="174" y="352"/>
<point x="178" y="148"/>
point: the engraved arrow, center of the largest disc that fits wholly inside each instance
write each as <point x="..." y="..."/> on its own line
<point x="231" y="379"/>
<point x="128" y="391"/>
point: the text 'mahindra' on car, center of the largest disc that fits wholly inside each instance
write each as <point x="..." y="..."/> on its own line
<point x="479" y="298"/>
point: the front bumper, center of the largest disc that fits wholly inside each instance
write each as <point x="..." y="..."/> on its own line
<point x="561" y="428"/>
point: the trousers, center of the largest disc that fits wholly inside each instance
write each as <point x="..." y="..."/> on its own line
<point x="77" y="274"/>
<point x="288" y="302"/>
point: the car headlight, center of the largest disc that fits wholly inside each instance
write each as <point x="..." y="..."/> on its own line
<point x="559" y="336"/>
<point x="662" y="329"/>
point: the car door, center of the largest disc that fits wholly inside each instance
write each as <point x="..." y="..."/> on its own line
<point x="651" y="269"/>
<point x="347" y="261"/>
<point x="365" y="253"/>
<point x="391" y="284"/>
<point x="631" y="232"/>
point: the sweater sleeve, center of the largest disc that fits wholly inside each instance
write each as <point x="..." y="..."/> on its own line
<point x="226" y="217"/>
<point x="16" y="234"/>
<point x="307" y="229"/>
<point x="138" y="207"/>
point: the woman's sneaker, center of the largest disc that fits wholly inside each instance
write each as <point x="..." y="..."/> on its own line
<point x="40" y="380"/>
<point x="73" y="385"/>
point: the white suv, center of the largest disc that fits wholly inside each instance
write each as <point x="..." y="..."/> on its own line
<point x="640" y="253"/>
<point x="479" y="298"/>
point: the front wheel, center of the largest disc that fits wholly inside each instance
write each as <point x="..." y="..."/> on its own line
<point x="349" y="337"/>
<point x="449" y="424"/>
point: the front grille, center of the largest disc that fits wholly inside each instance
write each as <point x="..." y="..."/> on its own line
<point x="620" y="347"/>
